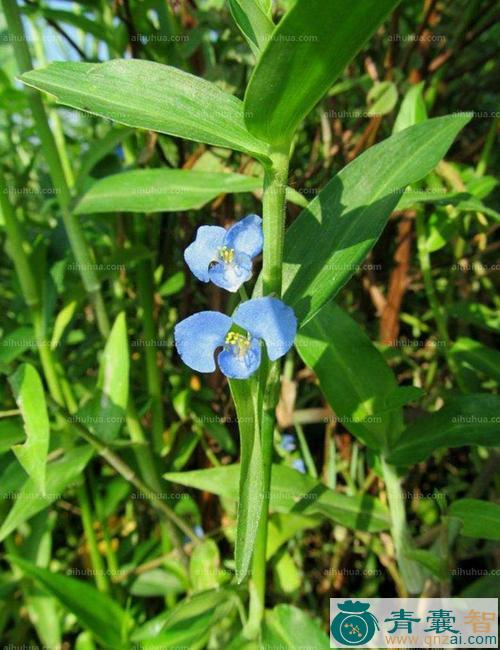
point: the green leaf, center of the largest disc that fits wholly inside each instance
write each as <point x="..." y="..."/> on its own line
<point x="61" y="473"/>
<point x="479" y="518"/>
<point x="188" y="623"/>
<point x="253" y="22"/>
<point x="308" y="51"/>
<point x="63" y="319"/>
<point x="161" y="190"/>
<point x="382" y="98"/>
<point x="478" y="356"/>
<point x="30" y="398"/>
<point x="94" y="610"/>
<point x="104" y="414"/>
<point x="353" y="376"/>
<point x="468" y="420"/>
<point x="13" y="344"/>
<point x="148" y="95"/>
<point x="251" y="477"/>
<point x="283" y="527"/>
<point x="156" y="582"/>
<point x="331" y="237"/>
<point x="290" y="627"/>
<point x="294" y="492"/>
<point x="412" y="110"/>
<point x="11" y="433"/>
<point x="430" y="561"/>
<point x="204" y="566"/>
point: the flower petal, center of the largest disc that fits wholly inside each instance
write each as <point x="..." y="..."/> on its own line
<point x="269" y="319"/>
<point x="237" y="366"/>
<point x="204" y="250"/>
<point x="231" y="275"/>
<point x="198" y="336"/>
<point x="246" y="236"/>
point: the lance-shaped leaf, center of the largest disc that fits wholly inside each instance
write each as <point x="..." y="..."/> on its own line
<point x="353" y="375"/>
<point x="94" y="610"/>
<point x="253" y="22"/>
<point x="307" y="52"/>
<point x="149" y="95"/>
<point x="479" y="518"/>
<point x="251" y="476"/>
<point x="30" y="398"/>
<point x="161" y="190"/>
<point x="467" y="420"/>
<point x="326" y="243"/>
<point x="294" y="492"/>
<point x="104" y="414"/>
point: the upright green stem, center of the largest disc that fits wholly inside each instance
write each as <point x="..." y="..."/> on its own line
<point x="275" y="182"/>
<point x="412" y="576"/>
<point x="145" y="294"/>
<point x="438" y="313"/>
<point x="72" y="225"/>
<point x="100" y="575"/>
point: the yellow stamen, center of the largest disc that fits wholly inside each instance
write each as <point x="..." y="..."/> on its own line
<point x="238" y="342"/>
<point x="226" y="254"/>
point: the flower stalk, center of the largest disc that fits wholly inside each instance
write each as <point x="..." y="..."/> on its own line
<point x="275" y="182"/>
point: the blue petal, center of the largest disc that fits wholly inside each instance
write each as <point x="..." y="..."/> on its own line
<point x="231" y="275"/>
<point x="237" y="366"/>
<point x="204" y="250"/>
<point x="246" y="236"/>
<point x="197" y="338"/>
<point x="269" y="319"/>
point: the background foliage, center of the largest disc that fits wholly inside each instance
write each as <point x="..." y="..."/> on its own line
<point x="119" y="466"/>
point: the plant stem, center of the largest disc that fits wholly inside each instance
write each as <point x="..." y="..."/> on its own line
<point x="100" y="576"/>
<point x="275" y="182"/>
<point x="410" y="571"/>
<point x="72" y="225"/>
<point x="153" y="376"/>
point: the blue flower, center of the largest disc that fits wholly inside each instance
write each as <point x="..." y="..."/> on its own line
<point x="288" y="442"/>
<point x="264" y="319"/>
<point x="299" y="465"/>
<point x="225" y="256"/>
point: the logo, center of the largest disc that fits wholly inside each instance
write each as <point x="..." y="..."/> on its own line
<point x="354" y="625"/>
